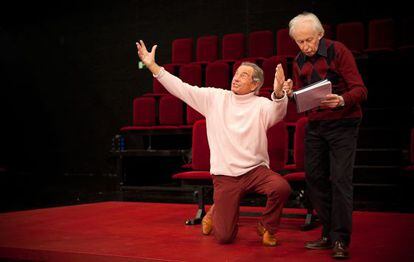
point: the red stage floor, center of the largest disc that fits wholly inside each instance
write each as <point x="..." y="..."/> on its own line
<point x="130" y="231"/>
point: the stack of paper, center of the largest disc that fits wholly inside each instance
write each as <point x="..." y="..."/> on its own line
<point x="310" y="96"/>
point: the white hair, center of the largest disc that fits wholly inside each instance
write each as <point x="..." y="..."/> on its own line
<point x="306" y="17"/>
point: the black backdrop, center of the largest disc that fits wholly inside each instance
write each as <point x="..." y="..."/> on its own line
<point x="69" y="68"/>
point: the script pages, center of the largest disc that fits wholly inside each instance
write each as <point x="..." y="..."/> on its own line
<point x="310" y="96"/>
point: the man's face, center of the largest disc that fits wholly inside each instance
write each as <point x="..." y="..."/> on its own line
<point x="242" y="82"/>
<point x="307" y="38"/>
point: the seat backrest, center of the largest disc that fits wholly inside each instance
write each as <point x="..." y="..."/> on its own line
<point x="329" y="31"/>
<point x="193" y="115"/>
<point x="285" y="45"/>
<point x="207" y="48"/>
<point x="239" y="62"/>
<point x="182" y="51"/>
<point x="143" y="113"/>
<point x="405" y="34"/>
<point x="200" y="148"/>
<point x="277" y="139"/>
<point x="261" y="44"/>
<point x="233" y="46"/>
<point x="157" y="88"/>
<point x="269" y="69"/>
<point x="217" y="75"/>
<point x="191" y="74"/>
<point x="352" y="34"/>
<point x="299" y="143"/>
<point x="381" y="33"/>
<point x="170" y="111"/>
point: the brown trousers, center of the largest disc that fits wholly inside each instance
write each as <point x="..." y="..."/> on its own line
<point x="228" y="192"/>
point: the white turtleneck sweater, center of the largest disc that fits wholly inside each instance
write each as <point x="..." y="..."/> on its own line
<point x="236" y="124"/>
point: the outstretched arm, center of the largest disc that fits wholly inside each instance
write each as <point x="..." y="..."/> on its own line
<point x="148" y="58"/>
<point x="197" y="98"/>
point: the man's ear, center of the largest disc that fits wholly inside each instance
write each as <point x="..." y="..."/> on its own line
<point x="256" y="85"/>
<point x="320" y="35"/>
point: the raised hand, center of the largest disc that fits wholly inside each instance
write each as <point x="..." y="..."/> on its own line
<point x="148" y="58"/>
<point x="279" y="81"/>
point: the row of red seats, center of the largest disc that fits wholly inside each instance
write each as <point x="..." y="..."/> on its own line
<point x="218" y="74"/>
<point x="278" y="149"/>
<point x="160" y="110"/>
<point x="380" y="35"/>
<point x="159" y="113"/>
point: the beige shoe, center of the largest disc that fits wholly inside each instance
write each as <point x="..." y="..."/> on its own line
<point x="207" y="222"/>
<point x="268" y="239"/>
<point x="206" y="225"/>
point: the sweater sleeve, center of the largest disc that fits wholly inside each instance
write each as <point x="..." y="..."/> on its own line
<point x="274" y="111"/>
<point x="197" y="98"/>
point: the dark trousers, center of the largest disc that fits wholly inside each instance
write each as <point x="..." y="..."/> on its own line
<point x="228" y="192"/>
<point x="329" y="159"/>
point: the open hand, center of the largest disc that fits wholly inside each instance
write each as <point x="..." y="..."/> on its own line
<point x="148" y="58"/>
<point x="279" y="80"/>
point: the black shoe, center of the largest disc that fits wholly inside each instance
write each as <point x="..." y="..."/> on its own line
<point x="322" y="243"/>
<point x="340" y="250"/>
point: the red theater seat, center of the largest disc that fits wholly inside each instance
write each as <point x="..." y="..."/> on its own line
<point x="285" y="45"/>
<point x="296" y="172"/>
<point x="191" y="74"/>
<point x="182" y="51"/>
<point x="381" y="35"/>
<point x="207" y="49"/>
<point x="144" y="112"/>
<point x="260" y="45"/>
<point x="269" y="69"/>
<point x="329" y="31"/>
<point x="233" y="46"/>
<point x="352" y="34"/>
<point x="193" y="115"/>
<point x="200" y="168"/>
<point x="157" y="88"/>
<point x="217" y="75"/>
<point x="170" y="111"/>
<point x="277" y="146"/>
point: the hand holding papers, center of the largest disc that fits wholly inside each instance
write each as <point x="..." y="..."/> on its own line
<point x="310" y="96"/>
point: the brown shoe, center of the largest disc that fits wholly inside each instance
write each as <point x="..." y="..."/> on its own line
<point x="340" y="250"/>
<point x="207" y="223"/>
<point x="268" y="239"/>
<point x="322" y="243"/>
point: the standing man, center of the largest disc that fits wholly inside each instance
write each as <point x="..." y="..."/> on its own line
<point x="331" y="134"/>
<point x="237" y="122"/>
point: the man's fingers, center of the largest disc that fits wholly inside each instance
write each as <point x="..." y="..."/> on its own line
<point x="153" y="49"/>
<point x="144" y="48"/>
